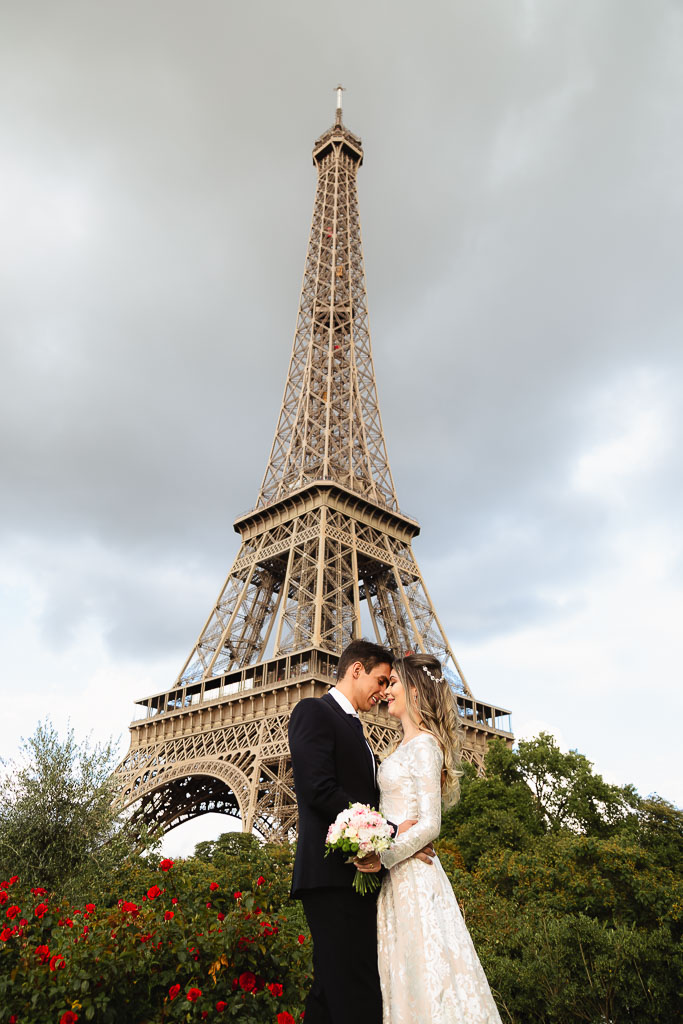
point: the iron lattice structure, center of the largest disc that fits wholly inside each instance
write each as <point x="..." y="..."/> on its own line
<point x="325" y="557"/>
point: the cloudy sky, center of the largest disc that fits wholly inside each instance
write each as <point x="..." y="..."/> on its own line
<point x="523" y="232"/>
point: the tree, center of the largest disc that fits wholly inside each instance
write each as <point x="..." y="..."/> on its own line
<point x="657" y="826"/>
<point x="574" y="895"/>
<point x="567" y="792"/>
<point x="57" y="826"/>
<point x="571" y="969"/>
<point x="495" y="811"/>
<point x="612" y="880"/>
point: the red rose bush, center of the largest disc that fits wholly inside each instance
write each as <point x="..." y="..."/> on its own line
<point x="164" y="953"/>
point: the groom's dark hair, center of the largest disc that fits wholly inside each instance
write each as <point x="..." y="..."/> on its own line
<point x="367" y="653"/>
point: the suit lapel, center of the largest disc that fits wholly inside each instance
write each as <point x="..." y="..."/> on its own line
<point x="331" y="702"/>
<point x="352" y="730"/>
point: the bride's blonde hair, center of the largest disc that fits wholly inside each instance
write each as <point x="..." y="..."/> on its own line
<point x="431" y="705"/>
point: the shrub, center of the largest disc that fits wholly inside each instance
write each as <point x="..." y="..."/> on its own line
<point x="190" y="948"/>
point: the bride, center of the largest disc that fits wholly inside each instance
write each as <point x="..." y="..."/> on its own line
<point x="428" y="968"/>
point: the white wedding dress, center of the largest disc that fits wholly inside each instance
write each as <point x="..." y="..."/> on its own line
<point x="428" y="968"/>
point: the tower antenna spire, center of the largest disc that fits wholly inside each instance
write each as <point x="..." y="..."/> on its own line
<point x="339" y="89"/>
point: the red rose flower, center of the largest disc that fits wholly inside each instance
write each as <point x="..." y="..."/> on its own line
<point x="205" y="1014"/>
<point x="166" y="864"/>
<point x="275" y="989"/>
<point x="13" y="911"/>
<point x="90" y="908"/>
<point x="173" y="992"/>
<point x="193" y="994"/>
<point x="57" y="962"/>
<point x="13" y="1019"/>
<point x="221" y="1005"/>
<point x="6" y="934"/>
<point x="3" y="885"/>
<point x="13" y="879"/>
<point x="214" y="886"/>
<point x="43" y="953"/>
<point x="174" y="900"/>
<point x="41" y="910"/>
<point x="220" y="915"/>
<point x="169" y="915"/>
<point x="235" y="984"/>
<point x="285" y="1018"/>
<point x="248" y="981"/>
<point x="3" y="897"/>
<point x="260" y="880"/>
<point x="301" y="940"/>
<point x="38" y="891"/>
<point x="69" y="1017"/>
<point x="237" y="895"/>
<point x="130" y="908"/>
<point x="153" y="892"/>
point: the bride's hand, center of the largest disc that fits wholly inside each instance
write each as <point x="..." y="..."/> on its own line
<point x="369" y="864"/>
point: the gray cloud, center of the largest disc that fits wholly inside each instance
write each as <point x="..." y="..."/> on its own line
<point x="522" y="224"/>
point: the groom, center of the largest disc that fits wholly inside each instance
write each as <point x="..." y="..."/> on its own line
<point x="333" y="767"/>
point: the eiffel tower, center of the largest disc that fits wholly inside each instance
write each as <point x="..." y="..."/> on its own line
<point x="325" y="557"/>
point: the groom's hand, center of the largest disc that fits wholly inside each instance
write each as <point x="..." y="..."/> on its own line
<point x="426" y="854"/>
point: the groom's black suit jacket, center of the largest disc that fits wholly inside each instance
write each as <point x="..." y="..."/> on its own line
<point x="332" y="769"/>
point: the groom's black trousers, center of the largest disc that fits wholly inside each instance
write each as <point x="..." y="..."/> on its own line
<point x="345" y="987"/>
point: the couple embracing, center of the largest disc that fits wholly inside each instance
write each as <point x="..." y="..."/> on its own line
<point x="405" y="955"/>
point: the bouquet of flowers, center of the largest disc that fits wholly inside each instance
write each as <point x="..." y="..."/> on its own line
<point x="359" y="831"/>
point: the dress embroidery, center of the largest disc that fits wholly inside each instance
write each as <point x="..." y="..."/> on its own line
<point x="428" y="967"/>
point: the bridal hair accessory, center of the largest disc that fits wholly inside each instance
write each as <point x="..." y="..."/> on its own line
<point x="434" y="679"/>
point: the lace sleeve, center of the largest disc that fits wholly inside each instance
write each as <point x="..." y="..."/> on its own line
<point x="426" y="762"/>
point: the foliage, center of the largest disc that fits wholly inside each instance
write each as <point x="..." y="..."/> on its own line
<point x="657" y="826"/>
<point x="56" y="818"/>
<point x="190" y="948"/>
<point x="239" y="855"/>
<point x="496" y="811"/>
<point x="567" y="793"/>
<point x="534" y="790"/>
<point x="571" y="889"/>
<point x="612" y="881"/>
<point x="570" y="968"/>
